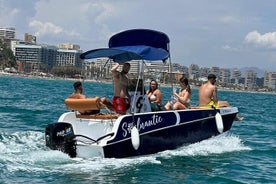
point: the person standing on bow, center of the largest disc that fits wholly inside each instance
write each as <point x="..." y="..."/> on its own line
<point x="182" y="99"/>
<point x="155" y="96"/>
<point x="121" y="99"/>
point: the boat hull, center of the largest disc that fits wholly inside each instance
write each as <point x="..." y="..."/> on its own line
<point x="155" y="132"/>
<point x="171" y="137"/>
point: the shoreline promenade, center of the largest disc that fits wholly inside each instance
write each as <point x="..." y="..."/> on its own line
<point x="5" y="74"/>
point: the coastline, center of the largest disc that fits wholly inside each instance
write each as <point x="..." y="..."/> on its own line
<point x="5" y="74"/>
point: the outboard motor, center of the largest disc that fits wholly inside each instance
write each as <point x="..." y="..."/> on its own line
<point x="60" y="136"/>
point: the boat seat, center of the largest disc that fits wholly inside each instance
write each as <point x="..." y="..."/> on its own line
<point x="85" y="104"/>
<point x="98" y="116"/>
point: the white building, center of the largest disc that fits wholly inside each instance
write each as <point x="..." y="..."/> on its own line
<point x="225" y="75"/>
<point x="7" y="33"/>
<point x="236" y="75"/>
<point x="250" y="79"/>
<point x="270" y="80"/>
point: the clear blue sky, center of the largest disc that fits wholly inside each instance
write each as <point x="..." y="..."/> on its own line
<point x="224" y="33"/>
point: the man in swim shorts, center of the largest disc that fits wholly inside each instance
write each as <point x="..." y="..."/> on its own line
<point x="207" y="96"/>
<point x="121" y="105"/>
<point x="121" y="98"/>
<point x="211" y="104"/>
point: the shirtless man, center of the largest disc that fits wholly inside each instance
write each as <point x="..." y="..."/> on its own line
<point x="78" y="94"/>
<point x="121" y="98"/>
<point x="208" y="96"/>
<point x="78" y="91"/>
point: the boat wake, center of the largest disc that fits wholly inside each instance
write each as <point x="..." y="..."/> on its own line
<point x="26" y="151"/>
<point x="220" y="144"/>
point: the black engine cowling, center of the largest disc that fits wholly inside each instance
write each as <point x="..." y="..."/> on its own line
<point x="60" y="136"/>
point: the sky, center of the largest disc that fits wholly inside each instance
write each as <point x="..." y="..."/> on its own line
<point x="227" y="34"/>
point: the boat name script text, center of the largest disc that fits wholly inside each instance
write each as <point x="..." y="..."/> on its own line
<point x="155" y="119"/>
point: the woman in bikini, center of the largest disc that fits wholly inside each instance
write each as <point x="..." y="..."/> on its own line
<point x="183" y="98"/>
<point x="155" y="96"/>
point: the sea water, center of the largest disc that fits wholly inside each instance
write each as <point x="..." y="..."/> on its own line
<point x="245" y="154"/>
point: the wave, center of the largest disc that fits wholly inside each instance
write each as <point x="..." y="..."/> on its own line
<point x="26" y="151"/>
<point x="220" y="144"/>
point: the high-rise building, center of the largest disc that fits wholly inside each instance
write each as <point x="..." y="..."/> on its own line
<point x="203" y="72"/>
<point x="270" y="80"/>
<point x="69" y="46"/>
<point x="225" y="75"/>
<point x="35" y="58"/>
<point x="216" y="70"/>
<point x="193" y="71"/>
<point x="31" y="39"/>
<point x="250" y="80"/>
<point x="180" y="69"/>
<point x="68" y="58"/>
<point x="7" y="33"/>
<point x="236" y="75"/>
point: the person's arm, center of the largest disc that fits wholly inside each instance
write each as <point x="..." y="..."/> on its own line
<point x="182" y="99"/>
<point x="114" y="68"/>
<point x="215" y="97"/>
<point x="158" y="95"/>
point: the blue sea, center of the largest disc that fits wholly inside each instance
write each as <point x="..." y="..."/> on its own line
<point x="245" y="154"/>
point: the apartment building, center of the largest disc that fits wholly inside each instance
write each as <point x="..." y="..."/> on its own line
<point x="69" y="46"/>
<point x="250" y="80"/>
<point x="216" y="70"/>
<point x="193" y="71"/>
<point x="236" y="75"/>
<point x="102" y="68"/>
<point x="203" y="72"/>
<point x="34" y="58"/>
<point x="270" y="80"/>
<point x="31" y="39"/>
<point x="7" y="33"/>
<point x="65" y="57"/>
<point x="225" y="75"/>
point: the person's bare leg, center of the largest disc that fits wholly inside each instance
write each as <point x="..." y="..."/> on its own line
<point x="223" y="104"/>
<point x="107" y="104"/>
<point x="226" y="104"/>
<point x="238" y="118"/>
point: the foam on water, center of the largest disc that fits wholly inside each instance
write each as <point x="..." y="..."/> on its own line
<point x="26" y="151"/>
<point x="216" y="145"/>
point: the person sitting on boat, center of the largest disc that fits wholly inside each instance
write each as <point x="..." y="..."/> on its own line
<point x="78" y="94"/>
<point x="207" y="96"/>
<point x="155" y="96"/>
<point x="121" y="99"/>
<point x="182" y="99"/>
